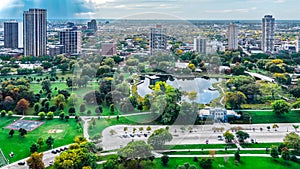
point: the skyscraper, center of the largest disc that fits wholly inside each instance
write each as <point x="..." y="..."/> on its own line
<point x="232" y="37"/>
<point x="11" y="34"/>
<point x="268" y="31"/>
<point x="71" y="40"/>
<point x="200" y="45"/>
<point x="158" y="40"/>
<point x="92" y="25"/>
<point x="35" y="32"/>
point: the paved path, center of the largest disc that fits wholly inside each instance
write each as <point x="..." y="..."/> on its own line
<point x="222" y="99"/>
<point x="199" y="134"/>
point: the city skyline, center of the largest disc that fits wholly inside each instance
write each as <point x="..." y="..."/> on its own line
<point x="173" y="9"/>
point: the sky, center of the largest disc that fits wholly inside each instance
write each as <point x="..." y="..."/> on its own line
<point x="155" y="9"/>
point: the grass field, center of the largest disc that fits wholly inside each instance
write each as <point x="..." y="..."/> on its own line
<point x="101" y="124"/>
<point x="259" y="145"/>
<point x="217" y="152"/>
<point x="20" y="146"/>
<point x="270" y="117"/>
<point x="218" y="163"/>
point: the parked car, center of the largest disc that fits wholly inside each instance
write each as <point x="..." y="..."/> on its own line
<point x="220" y="138"/>
<point x="21" y="163"/>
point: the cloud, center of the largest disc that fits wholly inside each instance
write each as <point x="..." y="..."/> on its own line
<point x="244" y="10"/>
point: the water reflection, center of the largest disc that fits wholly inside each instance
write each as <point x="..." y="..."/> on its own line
<point x="199" y="85"/>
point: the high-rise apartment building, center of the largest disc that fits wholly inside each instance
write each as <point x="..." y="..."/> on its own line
<point x="92" y="25"/>
<point x="35" y="32"/>
<point x="200" y="45"/>
<point x="11" y="34"/>
<point x="158" y="39"/>
<point x="268" y="32"/>
<point x="71" y="40"/>
<point x="232" y="37"/>
<point x="298" y="44"/>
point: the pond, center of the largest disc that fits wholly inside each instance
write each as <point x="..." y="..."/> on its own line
<point x="199" y="85"/>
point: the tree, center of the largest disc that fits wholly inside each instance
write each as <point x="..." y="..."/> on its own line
<point x="3" y="113"/>
<point x="292" y="140"/>
<point x="46" y="86"/>
<point x="59" y="99"/>
<point x="37" y="107"/>
<point x="42" y="115"/>
<point x="296" y="127"/>
<point x="50" y="115"/>
<point x="35" y="161"/>
<point x="135" y="149"/>
<point x="40" y="142"/>
<point x="82" y="108"/>
<point x="237" y="156"/>
<point x="34" y="148"/>
<point x="72" y="111"/>
<point x="274" y="152"/>
<point x="77" y="157"/>
<point x="159" y="138"/>
<point x="22" y="132"/>
<point x="237" y="69"/>
<point x="11" y="132"/>
<point x="275" y="127"/>
<point x="280" y="107"/>
<point x="111" y="164"/>
<point x="285" y="154"/>
<point x="62" y="115"/>
<point x="50" y="141"/>
<point x="242" y="136"/>
<point x="228" y="136"/>
<point x="206" y="163"/>
<point x="148" y="129"/>
<point x="165" y="160"/>
<point x="22" y="106"/>
<point x="235" y="99"/>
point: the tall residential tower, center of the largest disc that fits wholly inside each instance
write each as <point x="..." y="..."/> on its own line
<point x="11" y="34"/>
<point x="200" y="45"/>
<point x="232" y="37"/>
<point x="158" y="39"/>
<point x="35" y="32"/>
<point x="71" y="40"/>
<point x="268" y="32"/>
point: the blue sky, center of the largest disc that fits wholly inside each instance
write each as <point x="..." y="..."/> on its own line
<point x="184" y="9"/>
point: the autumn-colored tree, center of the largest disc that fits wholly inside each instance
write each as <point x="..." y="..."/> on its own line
<point x="35" y="161"/>
<point x="22" y="106"/>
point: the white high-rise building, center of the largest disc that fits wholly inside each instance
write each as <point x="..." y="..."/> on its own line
<point x="35" y="32"/>
<point x="268" y="32"/>
<point x="200" y="45"/>
<point x="298" y="44"/>
<point x="232" y="37"/>
<point x="158" y="40"/>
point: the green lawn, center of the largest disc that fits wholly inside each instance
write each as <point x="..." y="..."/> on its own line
<point x="217" y="152"/>
<point x="270" y="117"/>
<point x="101" y="124"/>
<point x="20" y="146"/>
<point x="259" y="145"/>
<point x="200" y="146"/>
<point x="246" y="163"/>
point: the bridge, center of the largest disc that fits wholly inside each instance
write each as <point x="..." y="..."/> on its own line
<point x="261" y="77"/>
